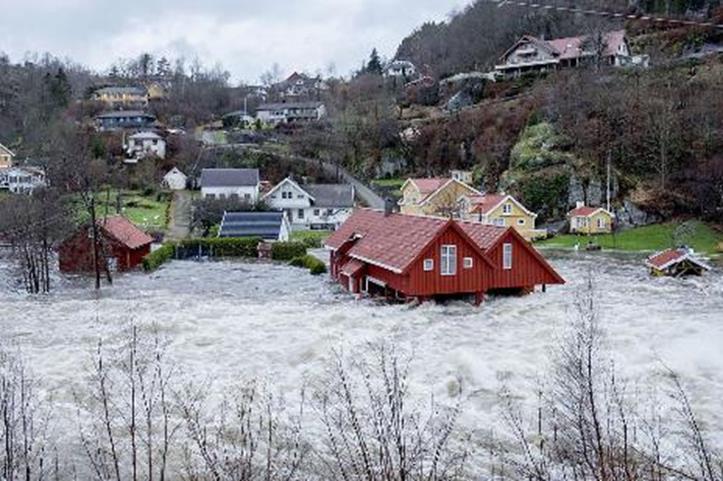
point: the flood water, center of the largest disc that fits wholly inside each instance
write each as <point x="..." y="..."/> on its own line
<point x="227" y="321"/>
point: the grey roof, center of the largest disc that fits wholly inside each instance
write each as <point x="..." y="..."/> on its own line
<point x="125" y="113"/>
<point x="229" y="177"/>
<point x="266" y="225"/>
<point x="290" y="105"/>
<point x="331" y="195"/>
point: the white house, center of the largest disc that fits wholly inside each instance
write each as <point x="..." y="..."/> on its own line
<point x="145" y="144"/>
<point x="174" y="180"/>
<point x="21" y="180"/>
<point x="312" y="206"/>
<point x="6" y="157"/>
<point x="401" y="68"/>
<point x="465" y="176"/>
<point x="290" y="112"/>
<point x="239" y="184"/>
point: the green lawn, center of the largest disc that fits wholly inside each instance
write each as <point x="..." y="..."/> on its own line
<point x="312" y="238"/>
<point x="649" y="238"/>
<point x="147" y="212"/>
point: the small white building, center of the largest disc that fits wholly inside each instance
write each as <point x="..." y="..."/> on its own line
<point x="174" y="180"/>
<point x="239" y="184"/>
<point x="145" y="144"/>
<point x="312" y="206"/>
<point x="290" y="112"/>
<point x="6" y="157"/>
<point x="401" y="68"/>
<point x="21" y="180"/>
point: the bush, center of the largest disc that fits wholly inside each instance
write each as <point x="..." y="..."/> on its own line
<point x="223" y="247"/>
<point x="157" y="258"/>
<point x="286" y="251"/>
<point x="312" y="239"/>
<point x="315" y="266"/>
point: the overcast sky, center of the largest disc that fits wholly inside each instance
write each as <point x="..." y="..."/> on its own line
<point x="246" y="36"/>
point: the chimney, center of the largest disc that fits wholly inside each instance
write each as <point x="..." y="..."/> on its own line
<point x="580" y="204"/>
<point x="388" y="207"/>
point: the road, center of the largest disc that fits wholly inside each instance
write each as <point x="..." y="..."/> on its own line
<point x="179" y="226"/>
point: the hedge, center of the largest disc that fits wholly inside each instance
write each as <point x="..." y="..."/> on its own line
<point x="221" y="247"/>
<point x="158" y="257"/>
<point x="286" y="251"/>
<point x="315" y="266"/>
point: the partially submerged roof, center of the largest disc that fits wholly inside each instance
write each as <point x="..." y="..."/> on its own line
<point x="331" y="195"/>
<point x="125" y="232"/>
<point x="266" y="225"/>
<point x="395" y="241"/>
<point x="229" y="177"/>
<point x="667" y="258"/>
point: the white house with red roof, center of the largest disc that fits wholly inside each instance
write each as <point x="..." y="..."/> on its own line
<point x="590" y="220"/>
<point x="678" y="262"/>
<point x="532" y="54"/>
<point x="425" y="257"/>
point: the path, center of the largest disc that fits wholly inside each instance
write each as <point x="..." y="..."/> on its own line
<point x="179" y="226"/>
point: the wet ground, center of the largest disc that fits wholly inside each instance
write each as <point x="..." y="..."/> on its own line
<point x="229" y="320"/>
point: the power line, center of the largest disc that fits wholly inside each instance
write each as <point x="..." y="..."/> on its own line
<point x="605" y="13"/>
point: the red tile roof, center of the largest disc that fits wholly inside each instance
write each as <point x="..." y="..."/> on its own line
<point x="485" y="203"/>
<point x="125" y="232"/>
<point x="572" y="47"/>
<point x="428" y="187"/>
<point x="663" y="259"/>
<point x="352" y="267"/>
<point x="584" y="211"/>
<point x="395" y="241"/>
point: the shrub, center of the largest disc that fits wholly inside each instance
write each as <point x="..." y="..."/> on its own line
<point x="286" y="251"/>
<point x="315" y="266"/>
<point x="222" y="247"/>
<point x="157" y="258"/>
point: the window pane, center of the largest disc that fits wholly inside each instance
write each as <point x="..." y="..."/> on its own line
<point x="507" y="257"/>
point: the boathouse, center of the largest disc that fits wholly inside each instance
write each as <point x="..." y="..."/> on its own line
<point x="679" y="262"/>
<point x="425" y="257"/>
<point x="121" y="245"/>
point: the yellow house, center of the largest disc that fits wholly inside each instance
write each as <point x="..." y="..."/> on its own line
<point x="156" y="91"/>
<point x="505" y="211"/>
<point x="436" y="196"/>
<point x="122" y="96"/>
<point x="6" y="157"/>
<point x="590" y="220"/>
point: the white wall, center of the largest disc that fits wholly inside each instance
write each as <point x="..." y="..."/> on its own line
<point x="249" y="194"/>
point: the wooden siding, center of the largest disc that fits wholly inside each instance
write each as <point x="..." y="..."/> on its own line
<point x="527" y="270"/>
<point x="75" y="254"/>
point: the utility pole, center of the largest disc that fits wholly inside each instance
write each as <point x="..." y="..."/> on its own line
<point x="609" y="169"/>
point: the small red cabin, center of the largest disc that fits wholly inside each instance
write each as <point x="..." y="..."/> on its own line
<point x="424" y="257"/>
<point x="122" y="246"/>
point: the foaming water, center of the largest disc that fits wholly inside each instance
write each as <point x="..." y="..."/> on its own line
<point x="227" y="321"/>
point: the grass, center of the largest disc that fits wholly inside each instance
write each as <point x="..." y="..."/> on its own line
<point x="311" y="238"/>
<point x="649" y="238"/>
<point x="145" y="211"/>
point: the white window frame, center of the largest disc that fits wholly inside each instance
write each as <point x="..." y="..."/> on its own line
<point x="601" y="224"/>
<point x="468" y="263"/>
<point x="448" y="260"/>
<point x="428" y="265"/>
<point x="507" y="259"/>
<point x="500" y="223"/>
<point x="507" y="208"/>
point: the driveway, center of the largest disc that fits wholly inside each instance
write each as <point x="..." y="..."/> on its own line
<point x="179" y="227"/>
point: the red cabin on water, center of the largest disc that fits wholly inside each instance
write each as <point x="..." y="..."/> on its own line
<point x="408" y="256"/>
<point x="122" y="246"/>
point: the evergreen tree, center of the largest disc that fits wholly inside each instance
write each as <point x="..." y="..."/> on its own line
<point x="374" y="66"/>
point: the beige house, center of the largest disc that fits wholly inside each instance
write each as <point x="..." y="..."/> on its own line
<point x="590" y="220"/>
<point x="436" y="196"/>
<point x="6" y="157"/>
<point x="115" y="97"/>
<point x="504" y="211"/>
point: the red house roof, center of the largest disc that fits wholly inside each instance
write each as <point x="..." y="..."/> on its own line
<point x="428" y="187"/>
<point x="125" y="232"/>
<point x="485" y="203"/>
<point x="663" y="260"/>
<point x="394" y="242"/>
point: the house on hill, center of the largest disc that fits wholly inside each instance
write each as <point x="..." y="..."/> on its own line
<point x="145" y="144"/>
<point x="269" y="226"/>
<point x="22" y="180"/>
<point x="290" y="112"/>
<point x="122" y="247"/>
<point x="239" y="184"/>
<point x="312" y="206"/>
<point x="531" y="54"/>
<point x="502" y="210"/>
<point x="422" y="257"/>
<point x="435" y="196"/>
<point x="6" y="157"/>
<point x="120" y="96"/>
<point x="300" y="85"/>
<point x="400" y="69"/>
<point x="590" y="220"/>
<point x="679" y="262"/>
<point x="125" y="119"/>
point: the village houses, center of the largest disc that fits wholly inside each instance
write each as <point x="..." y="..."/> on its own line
<point x="269" y="226"/>
<point x="312" y="206"/>
<point x="239" y="184"/>
<point x="590" y="220"/>
<point x="502" y="210"/>
<point x="531" y="54"/>
<point x="434" y="196"/>
<point x="290" y="112"/>
<point x="125" y="119"/>
<point x="423" y="257"/>
<point x="400" y="69"/>
<point x="22" y="180"/>
<point x="6" y="157"/>
<point x="145" y="144"/>
<point x="122" y="97"/>
<point x="299" y="85"/>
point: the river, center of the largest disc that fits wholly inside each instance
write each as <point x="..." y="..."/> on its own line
<point x="228" y="320"/>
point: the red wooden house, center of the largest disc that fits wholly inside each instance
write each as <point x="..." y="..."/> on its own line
<point x="122" y="247"/>
<point x="423" y="257"/>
